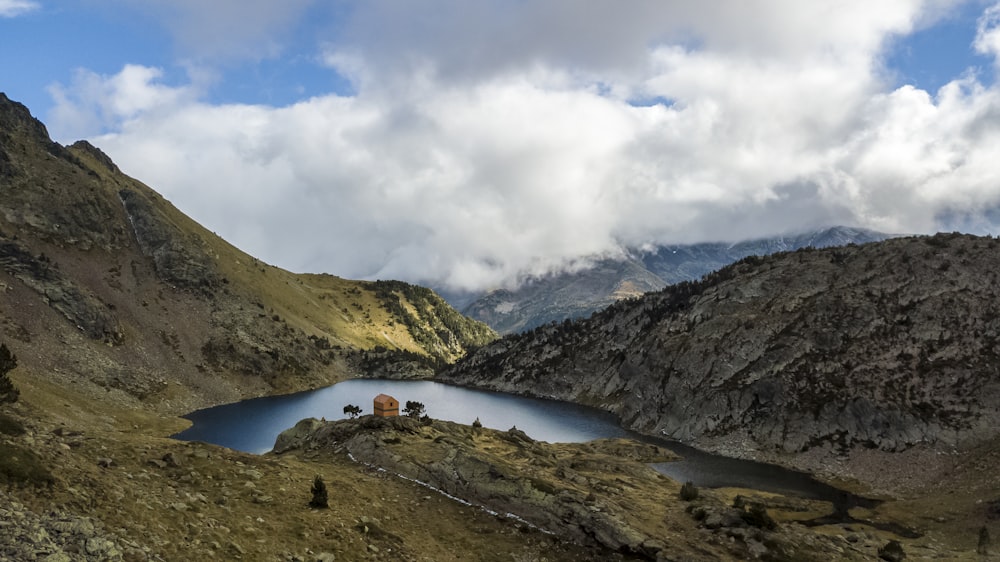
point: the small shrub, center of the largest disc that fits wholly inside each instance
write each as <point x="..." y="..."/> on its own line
<point x="8" y="392"/>
<point x="892" y="551"/>
<point x="319" y="499"/>
<point x="21" y="466"/>
<point x="757" y="516"/>
<point x="10" y="426"/>
<point x="689" y="491"/>
<point x="352" y="411"/>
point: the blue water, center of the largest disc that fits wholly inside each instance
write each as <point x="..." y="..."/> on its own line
<point x="253" y="425"/>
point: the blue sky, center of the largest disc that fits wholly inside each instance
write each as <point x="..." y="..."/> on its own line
<point x="930" y="58"/>
<point x="46" y="44"/>
<point x="43" y="43"/>
<point x="471" y="143"/>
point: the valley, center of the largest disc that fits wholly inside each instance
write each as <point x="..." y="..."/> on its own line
<point x="872" y="366"/>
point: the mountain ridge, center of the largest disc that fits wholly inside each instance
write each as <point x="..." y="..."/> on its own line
<point x="886" y="346"/>
<point x="580" y="293"/>
<point x="174" y="310"/>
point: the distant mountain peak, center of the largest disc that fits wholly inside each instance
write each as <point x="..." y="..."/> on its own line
<point x="634" y="271"/>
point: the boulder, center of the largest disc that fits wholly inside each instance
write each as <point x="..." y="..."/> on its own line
<point x="295" y="436"/>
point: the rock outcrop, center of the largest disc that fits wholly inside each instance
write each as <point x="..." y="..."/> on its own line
<point x="81" y="307"/>
<point x="602" y="494"/>
<point x="886" y="345"/>
<point x="506" y="472"/>
<point x="179" y="258"/>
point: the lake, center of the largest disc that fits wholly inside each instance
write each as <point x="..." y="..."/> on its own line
<point x="252" y="426"/>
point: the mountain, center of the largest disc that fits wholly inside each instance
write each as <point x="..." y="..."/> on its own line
<point x="578" y="294"/>
<point x="888" y="346"/>
<point x="564" y="295"/>
<point x="122" y="313"/>
<point x="688" y="262"/>
<point x="107" y="285"/>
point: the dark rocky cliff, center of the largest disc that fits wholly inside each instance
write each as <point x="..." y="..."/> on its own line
<point x="884" y="346"/>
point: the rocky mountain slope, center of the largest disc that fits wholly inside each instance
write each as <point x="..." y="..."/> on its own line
<point x="105" y="285"/>
<point x="884" y="347"/>
<point x="605" y="281"/>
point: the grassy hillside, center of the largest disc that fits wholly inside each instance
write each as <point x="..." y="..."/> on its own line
<point x="106" y="285"/>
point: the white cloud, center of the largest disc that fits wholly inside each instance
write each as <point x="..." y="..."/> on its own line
<point x="93" y="103"/>
<point x="519" y="152"/>
<point x="988" y="33"/>
<point x="14" y="8"/>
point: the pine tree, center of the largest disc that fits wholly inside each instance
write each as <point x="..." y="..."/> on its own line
<point x="414" y="409"/>
<point x="319" y="499"/>
<point x="8" y="392"/>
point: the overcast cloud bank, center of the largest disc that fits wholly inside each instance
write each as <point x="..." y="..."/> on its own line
<point x="488" y="140"/>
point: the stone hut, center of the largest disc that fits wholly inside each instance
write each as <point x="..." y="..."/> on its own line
<point x="386" y="406"/>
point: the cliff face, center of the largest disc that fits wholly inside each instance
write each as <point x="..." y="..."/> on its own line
<point x="105" y="284"/>
<point x="885" y="346"/>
